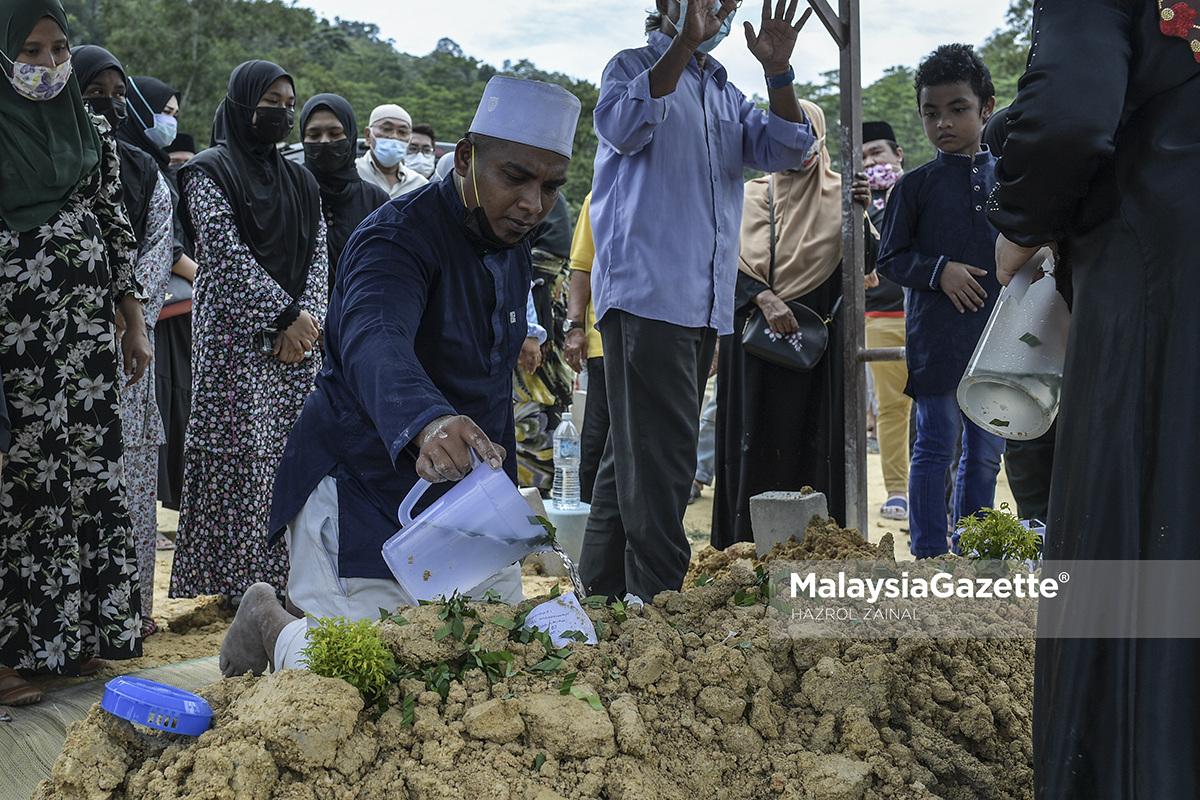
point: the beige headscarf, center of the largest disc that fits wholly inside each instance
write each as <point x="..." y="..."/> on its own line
<point x="808" y="223"/>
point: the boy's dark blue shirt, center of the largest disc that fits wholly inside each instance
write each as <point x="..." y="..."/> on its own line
<point x="938" y="213"/>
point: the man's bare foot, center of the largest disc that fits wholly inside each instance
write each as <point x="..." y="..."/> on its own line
<point x="249" y="645"/>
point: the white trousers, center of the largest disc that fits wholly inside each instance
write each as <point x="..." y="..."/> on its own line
<point x="315" y="587"/>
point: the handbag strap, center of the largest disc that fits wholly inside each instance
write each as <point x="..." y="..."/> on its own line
<point x="833" y="310"/>
<point x="771" y="216"/>
<point x="771" y="269"/>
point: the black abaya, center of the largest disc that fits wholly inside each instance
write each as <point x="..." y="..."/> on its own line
<point x="1102" y="151"/>
<point x="777" y="429"/>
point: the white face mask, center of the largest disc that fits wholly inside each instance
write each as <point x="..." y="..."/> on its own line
<point x="35" y="82"/>
<point x="389" y="152"/>
<point x="420" y="163"/>
<point x="164" y="130"/>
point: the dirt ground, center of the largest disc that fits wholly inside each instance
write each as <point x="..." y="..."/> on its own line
<point x="700" y="695"/>
<point x="194" y="628"/>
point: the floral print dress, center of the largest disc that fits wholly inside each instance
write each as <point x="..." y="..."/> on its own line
<point x="140" y="417"/>
<point x="69" y="581"/>
<point x="244" y="402"/>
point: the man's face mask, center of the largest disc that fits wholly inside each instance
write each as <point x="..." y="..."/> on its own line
<point x="389" y="152"/>
<point x="883" y="176"/>
<point x="164" y="129"/>
<point x="476" y="220"/>
<point x="708" y="44"/>
<point x="327" y="156"/>
<point x="35" y="82"/>
<point x="420" y="163"/>
<point x="272" y="125"/>
<point x="112" y="109"/>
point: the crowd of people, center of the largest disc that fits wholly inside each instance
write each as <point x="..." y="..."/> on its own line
<point x="362" y="321"/>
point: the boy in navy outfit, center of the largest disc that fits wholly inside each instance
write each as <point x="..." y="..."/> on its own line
<point x="938" y="242"/>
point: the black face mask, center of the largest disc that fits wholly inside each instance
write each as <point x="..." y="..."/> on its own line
<point x="477" y="223"/>
<point x="476" y="220"/>
<point x="327" y="156"/>
<point x="272" y="125"/>
<point x="112" y="109"/>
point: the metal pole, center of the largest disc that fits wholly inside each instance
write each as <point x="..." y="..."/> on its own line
<point x="853" y="301"/>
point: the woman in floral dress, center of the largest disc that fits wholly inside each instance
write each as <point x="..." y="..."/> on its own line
<point x="147" y="201"/>
<point x="69" y="582"/>
<point x="260" y="294"/>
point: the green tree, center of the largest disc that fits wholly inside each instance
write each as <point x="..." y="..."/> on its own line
<point x="1006" y="50"/>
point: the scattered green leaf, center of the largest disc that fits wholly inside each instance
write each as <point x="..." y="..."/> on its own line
<point x="551" y="531"/>
<point x="538" y="762"/>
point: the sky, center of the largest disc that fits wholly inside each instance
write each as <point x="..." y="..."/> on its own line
<point x="578" y="37"/>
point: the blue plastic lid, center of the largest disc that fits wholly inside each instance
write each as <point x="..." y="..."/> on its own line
<point x="157" y="705"/>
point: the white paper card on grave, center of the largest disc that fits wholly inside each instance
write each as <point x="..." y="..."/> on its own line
<point x="560" y="615"/>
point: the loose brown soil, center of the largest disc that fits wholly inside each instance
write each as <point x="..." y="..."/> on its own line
<point x="698" y="699"/>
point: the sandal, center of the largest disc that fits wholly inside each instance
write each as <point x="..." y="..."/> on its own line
<point x="92" y="666"/>
<point x="694" y="494"/>
<point x="163" y="543"/>
<point x="149" y="627"/>
<point x="16" y="691"/>
<point x="895" y="508"/>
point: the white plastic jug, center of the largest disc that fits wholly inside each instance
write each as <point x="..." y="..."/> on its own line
<point x="467" y="535"/>
<point x="1013" y="379"/>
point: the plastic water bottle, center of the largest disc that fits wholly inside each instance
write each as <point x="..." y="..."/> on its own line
<point x="566" y="465"/>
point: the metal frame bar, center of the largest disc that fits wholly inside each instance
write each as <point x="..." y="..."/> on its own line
<point x="844" y="28"/>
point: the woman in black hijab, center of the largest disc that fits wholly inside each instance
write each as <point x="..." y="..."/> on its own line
<point x="149" y="127"/>
<point x="327" y="124"/>
<point x="147" y="201"/>
<point x="260" y="291"/>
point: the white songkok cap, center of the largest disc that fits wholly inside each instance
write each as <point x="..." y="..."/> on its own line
<point x="528" y="112"/>
<point x="390" y="111"/>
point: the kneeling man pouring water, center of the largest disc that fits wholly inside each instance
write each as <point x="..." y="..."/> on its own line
<point x="425" y="326"/>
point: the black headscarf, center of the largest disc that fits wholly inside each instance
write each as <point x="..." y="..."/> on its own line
<point x="346" y="199"/>
<point x="276" y="204"/>
<point x="139" y="173"/>
<point x="146" y="97"/>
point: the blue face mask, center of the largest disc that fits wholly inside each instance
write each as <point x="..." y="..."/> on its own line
<point x="388" y="152"/>
<point x="164" y="130"/>
<point x="708" y="44"/>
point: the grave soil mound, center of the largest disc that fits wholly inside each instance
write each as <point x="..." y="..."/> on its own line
<point x="824" y="539"/>
<point x="696" y="699"/>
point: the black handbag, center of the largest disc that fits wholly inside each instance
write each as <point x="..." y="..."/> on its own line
<point x="799" y="351"/>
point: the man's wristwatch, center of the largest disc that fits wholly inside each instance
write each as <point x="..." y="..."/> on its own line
<point x="571" y="324"/>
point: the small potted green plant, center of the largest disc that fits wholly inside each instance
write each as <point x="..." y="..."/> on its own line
<point x="352" y="651"/>
<point x="997" y="536"/>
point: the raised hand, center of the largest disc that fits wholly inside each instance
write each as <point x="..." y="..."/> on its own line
<point x="701" y="20"/>
<point x="776" y="37"/>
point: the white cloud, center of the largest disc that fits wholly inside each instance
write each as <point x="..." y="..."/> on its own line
<point x="578" y="38"/>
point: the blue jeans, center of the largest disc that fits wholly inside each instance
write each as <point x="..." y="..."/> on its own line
<point x="975" y="488"/>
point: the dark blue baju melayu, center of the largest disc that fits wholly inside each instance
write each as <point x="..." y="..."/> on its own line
<point x="424" y="321"/>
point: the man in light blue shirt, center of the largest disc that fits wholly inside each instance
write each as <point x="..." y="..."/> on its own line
<point x="666" y="211"/>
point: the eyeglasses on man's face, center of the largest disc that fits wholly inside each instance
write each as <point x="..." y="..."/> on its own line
<point x="389" y="130"/>
<point x="414" y="148"/>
